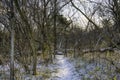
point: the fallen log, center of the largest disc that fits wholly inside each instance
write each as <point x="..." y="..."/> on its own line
<point x="98" y="50"/>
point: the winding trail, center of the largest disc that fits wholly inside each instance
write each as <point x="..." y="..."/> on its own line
<point x="64" y="69"/>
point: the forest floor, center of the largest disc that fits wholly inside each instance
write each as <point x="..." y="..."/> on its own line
<point x="88" y="66"/>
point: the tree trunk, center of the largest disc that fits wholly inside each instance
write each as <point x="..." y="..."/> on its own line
<point x="65" y="45"/>
<point x="55" y="35"/>
<point x="12" y="56"/>
<point x="12" y="40"/>
<point x="32" y="44"/>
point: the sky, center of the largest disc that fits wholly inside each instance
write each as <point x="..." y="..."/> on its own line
<point x="70" y="12"/>
<point x="76" y="16"/>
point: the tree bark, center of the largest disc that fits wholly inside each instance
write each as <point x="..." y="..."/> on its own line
<point x="11" y="15"/>
<point x="55" y="36"/>
<point x="12" y="56"/>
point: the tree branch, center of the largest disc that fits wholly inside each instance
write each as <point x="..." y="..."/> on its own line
<point x="96" y="26"/>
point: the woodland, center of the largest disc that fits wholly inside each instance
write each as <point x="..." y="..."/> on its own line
<point x="34" y="32"/>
